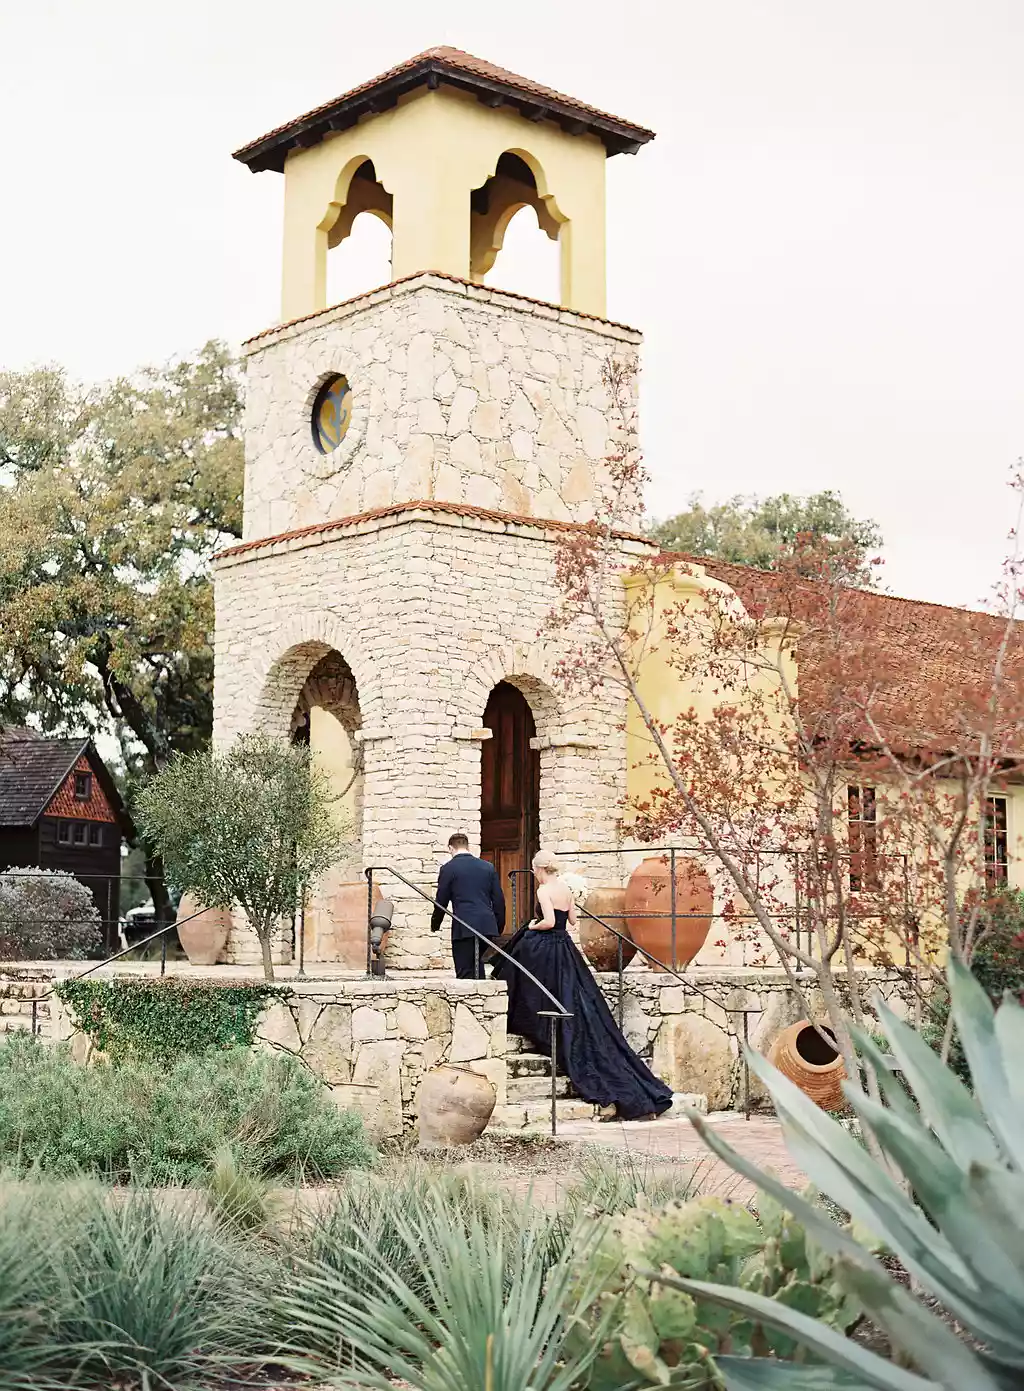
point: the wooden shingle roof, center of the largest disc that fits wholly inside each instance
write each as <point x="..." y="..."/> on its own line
<point x="32" y="768"/>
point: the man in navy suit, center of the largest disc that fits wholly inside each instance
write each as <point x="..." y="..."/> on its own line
<point x="471" y="888"/>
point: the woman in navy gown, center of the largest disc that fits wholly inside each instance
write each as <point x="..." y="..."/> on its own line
<point x="601" y="1066"/>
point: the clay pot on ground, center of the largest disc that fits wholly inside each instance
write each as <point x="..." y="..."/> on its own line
<point x="454" y="1106"/>
<point x="650" y="891"/>
<point x="600" y="946"/>
<point x="204" y="938"/>
<point x="814" y="1064"/>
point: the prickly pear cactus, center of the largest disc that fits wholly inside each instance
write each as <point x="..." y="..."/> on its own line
<point x="659" y="1336"/>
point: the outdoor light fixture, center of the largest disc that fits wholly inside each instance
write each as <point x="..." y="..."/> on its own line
<point x="380" y="925"/>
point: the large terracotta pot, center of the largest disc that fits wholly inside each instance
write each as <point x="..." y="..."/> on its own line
<point x="454" y="1106"/>
<point x="600" y="946"/>
<point x="339" y="923"/>
<point x="650" y="891"/>
<point x="802" y="1055"/>
<point x="204" y="938"/>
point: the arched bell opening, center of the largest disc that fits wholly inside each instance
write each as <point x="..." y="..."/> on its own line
<point x="359" y="237"/>
<point x="500" y="224"/>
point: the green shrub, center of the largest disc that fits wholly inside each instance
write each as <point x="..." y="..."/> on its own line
<point x="445" y="1297"/>
<point x="614" y="1183"/>
<point x="236" y="1196"/>
<point x="163" y="1124"/>
<point x="997" y="964"/>
<point x="162" y="1019"/>
<point x="46" y="915"/>
<point x="152" y="1297"/>
<point x="371" y="1222"/>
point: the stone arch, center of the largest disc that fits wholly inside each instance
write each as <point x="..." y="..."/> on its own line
<point x="304" y="641"/>
<point x="528" y="666"/>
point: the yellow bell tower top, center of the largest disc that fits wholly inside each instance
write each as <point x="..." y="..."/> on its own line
<point x="445" y="149"/>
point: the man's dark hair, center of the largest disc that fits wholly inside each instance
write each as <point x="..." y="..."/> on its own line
<point x="458" y="841"/>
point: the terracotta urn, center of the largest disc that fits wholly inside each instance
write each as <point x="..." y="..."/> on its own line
<point x="204" y="938"/>
<point x="816" y="1066"/>
<point x="650" y="891"/>
<point x="340" y="925"/>
<point x="454" y="1106"/>
<point x="600" y="946"/>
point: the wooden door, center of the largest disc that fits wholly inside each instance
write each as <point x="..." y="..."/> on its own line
<point x="510" y="793"/>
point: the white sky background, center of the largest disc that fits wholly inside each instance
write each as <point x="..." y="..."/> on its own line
<point x="823" y="246"/>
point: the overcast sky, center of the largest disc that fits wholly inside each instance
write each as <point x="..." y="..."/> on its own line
<point x="823" y="246"/>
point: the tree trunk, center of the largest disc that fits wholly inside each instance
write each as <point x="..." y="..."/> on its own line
<point x="158" y="889"/>
<point x="263" y="933"/>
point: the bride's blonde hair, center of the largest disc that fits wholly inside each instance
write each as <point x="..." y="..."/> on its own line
<point x="544" y="859"/>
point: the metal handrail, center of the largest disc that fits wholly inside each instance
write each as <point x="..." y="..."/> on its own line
<point x="559" y="1011"/>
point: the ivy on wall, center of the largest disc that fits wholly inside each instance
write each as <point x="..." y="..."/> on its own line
<point x="164" y="1019"/>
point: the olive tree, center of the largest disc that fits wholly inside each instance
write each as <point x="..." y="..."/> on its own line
<point x="252" y="826"/>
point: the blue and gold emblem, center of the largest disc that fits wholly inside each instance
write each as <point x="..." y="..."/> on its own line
<point x="332" y="412"/>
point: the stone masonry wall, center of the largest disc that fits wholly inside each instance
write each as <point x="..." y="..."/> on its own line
<point x="430" y="611"/>
<point x="692" y="1036"/>
<point x="372" y="1041"/>
<point x="459" y="393"/>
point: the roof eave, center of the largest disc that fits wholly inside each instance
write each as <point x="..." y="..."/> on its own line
<point x="270" y="151"/>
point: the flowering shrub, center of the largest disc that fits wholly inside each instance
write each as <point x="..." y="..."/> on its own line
<point x="46" y="915"/>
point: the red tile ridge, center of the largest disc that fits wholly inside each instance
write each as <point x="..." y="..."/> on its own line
<point x="462" y="61"/>
<point x="458" y="509"/>
<point x="720" y="568"/>
<point x="442" y="275"/>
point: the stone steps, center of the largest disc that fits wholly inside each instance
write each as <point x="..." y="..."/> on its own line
<point x="536" y="1115"/>
<point x="530" y="1089"/>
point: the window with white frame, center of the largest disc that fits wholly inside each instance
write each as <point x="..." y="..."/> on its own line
<point x="863" y="833"/>
<point x="997" y="841"/>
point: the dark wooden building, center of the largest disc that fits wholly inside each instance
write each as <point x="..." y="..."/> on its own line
<point x="60" y="809"/>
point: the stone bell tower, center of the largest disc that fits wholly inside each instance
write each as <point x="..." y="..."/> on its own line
<point x="412" y="457"/>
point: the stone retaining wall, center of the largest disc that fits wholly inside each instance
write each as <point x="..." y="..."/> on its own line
<point x="372" y="1041"/>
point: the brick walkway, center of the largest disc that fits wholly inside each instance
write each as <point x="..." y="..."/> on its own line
<point x="758" y="1139"/>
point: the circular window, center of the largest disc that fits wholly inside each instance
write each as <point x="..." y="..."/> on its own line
<point x="332" y="414"/>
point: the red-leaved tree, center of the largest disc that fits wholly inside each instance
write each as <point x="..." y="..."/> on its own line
<point x="833" y="756"/>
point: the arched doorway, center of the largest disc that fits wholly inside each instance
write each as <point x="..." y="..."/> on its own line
<point x="509" y="785"/>
<point x="326" y="719"/>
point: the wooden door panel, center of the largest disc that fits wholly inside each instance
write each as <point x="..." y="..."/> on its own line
<point x="509" y="784"/>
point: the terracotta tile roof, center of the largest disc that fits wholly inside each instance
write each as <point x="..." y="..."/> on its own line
<point x="932" y="664"/>
<point x="455" y="509"/>
<point x="31" y="772"/>
<point x="438" y="275"/>
<point x="34" y="769"/>
<point x="432" y="67"/>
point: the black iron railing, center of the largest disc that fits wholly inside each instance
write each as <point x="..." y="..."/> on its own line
<point x="481" y="942"/>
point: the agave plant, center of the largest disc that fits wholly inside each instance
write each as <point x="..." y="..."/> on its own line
<point x="956" y="1222"/>
<point x="471" y="1307"/>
